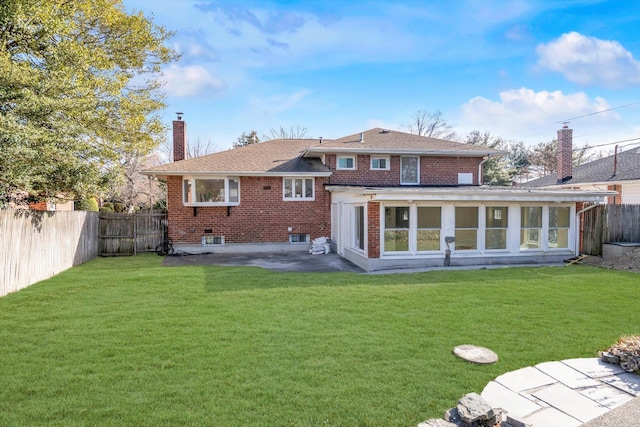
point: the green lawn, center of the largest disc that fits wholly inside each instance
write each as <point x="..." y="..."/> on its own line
<point x="125" y="341"/>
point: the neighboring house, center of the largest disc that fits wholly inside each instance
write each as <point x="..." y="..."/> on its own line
<point x="386" y="199"/>
<point x="619" y="173"/>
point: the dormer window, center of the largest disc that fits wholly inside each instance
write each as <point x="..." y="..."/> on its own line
<point x="346" y="163"/>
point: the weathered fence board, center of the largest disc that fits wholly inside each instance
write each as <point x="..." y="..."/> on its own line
<point x="122" y="234"/>
<point x="36" y="245"/>
<point x="610" y="223"/>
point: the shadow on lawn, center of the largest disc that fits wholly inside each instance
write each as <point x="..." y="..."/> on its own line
<point x="231" y="279"/>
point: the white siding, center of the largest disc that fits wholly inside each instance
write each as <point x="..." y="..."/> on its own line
<point x="631" y="193"/>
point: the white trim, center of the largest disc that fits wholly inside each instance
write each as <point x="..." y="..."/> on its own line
<point x="227" y="194"/>
<point x="404" y="152"/>
<point x="387" y="160"/>
<point x="354" y="228"/>
<point x="234" y="173"/>
<point x="353" y="161"/>
<point x="304" y="185"/>
<point x="417" y="170"/>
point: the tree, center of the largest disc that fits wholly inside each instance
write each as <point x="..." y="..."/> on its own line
<point x="544" y="158"/>
<point x="496" y="170"/>
<point x="282" y="133"/>
<point x="134" y="190"/>
<point x="244" y="139"/>
<point x="195" y="148"/>
<point x="79" y="90"/>
<point x="519" y="159"/>
<point x="432" y="125"/>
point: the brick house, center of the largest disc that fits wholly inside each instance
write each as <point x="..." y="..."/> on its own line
<point x="386" y="199"/>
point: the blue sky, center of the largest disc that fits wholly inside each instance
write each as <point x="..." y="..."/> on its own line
<point x="516" y="69"/>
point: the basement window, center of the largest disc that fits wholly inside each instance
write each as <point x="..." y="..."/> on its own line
<point x="299" y="238"/>
<point x="212" y="240"/>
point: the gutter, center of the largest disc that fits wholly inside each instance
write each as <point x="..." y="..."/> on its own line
<point x="484" y="160"/>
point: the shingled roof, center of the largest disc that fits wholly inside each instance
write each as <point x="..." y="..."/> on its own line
<point x="598" y="171"/>
<point x="382" y="141"/>
<point x="275" y="157"/>
<point x="301" y="156"/>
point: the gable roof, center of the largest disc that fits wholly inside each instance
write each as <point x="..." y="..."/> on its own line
<point x="598" y="171"/>
<point x="276" y="157"/>
<point x="382" y="141"/>
<point x="291" y="157"/>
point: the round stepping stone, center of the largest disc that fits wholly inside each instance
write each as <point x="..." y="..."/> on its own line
<point x="475" y="354"/>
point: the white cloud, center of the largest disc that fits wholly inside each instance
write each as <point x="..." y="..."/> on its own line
<point x="590" y="61"/>
<point x="279" y="103"/>
<point x="191" y="80"/>
<point x="524" y="114"/>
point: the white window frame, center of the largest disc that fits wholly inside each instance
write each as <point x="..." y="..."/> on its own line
<point x="192" y="188"/>
<point x="477" y="228"/>
<point x="354" y="227"/>
<point x="353" y="161"/>
<point x="417" y="170"/>
<point x="304" y="198"/>
<point x="487" y="228"/>
<point x="387" y="161"/>
<point x="549" y="228"/>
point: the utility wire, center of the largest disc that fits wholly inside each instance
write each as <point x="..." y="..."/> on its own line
<point x="596" y="112"/>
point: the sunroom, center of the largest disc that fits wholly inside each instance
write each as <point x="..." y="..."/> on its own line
<point x="383" y="228"/>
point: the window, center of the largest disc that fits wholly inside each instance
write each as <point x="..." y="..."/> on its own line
<point x="396" y="229"/>
<point x="212" y="240"/>
<point x="211" y="191"/>
<point x="530" y="227"/>
<point x="299" y="238"/>
<point x="559" y="227"/>
<point x="358" y="227"/>
<point x="298" y="189"/>
<point x="409" y="170"/>
<point x="429" y="220"/>
<point x="379" y="163"/>
<point x="466" y="228"/>
<point x="346" y="163"/>
<point x="496" y="228"/>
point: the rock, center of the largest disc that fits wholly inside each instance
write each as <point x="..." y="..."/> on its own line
<point x="475" y="354"/>
<point x="608" y="357"/>
<point x="473" y="407"/>
<point x="436" y="422"/>
<point x="452" y="415"/>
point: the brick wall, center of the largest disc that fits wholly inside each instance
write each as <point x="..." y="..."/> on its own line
<point x="433" y="171"/>
<point x="261" y="217"/>
<point x="373" y="229"/>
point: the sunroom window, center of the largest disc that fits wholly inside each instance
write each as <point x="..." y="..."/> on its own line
<point x="396" y="229"/>
<point x="429" y="222"/>
<point x="530" y="227"/>
<point x="223" y="191"/>
<point x="466" y="228"/>
<point x="559" y="227"/>
<point x="496" y="229"/>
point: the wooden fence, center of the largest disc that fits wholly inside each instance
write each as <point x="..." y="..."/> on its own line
<point x="609" y="223"/>
<point x="35" y="245"/>
<point x="129" y="234"/>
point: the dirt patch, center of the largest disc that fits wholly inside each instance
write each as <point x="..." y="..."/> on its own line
<point x="627" y="262"/>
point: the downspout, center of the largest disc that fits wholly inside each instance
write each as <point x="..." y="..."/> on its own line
<point x="484" y="160"/>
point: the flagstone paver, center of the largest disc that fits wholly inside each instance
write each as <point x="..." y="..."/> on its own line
<point x="563" y="393"/>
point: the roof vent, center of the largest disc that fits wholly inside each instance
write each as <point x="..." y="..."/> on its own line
<point x="361" y="137"/>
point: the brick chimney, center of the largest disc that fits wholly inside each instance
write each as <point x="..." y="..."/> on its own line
<point x="564" y="152"/>
<point x="179" y="139"/>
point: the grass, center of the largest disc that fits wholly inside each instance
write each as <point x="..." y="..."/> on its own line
<point x="125" y="341"/>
